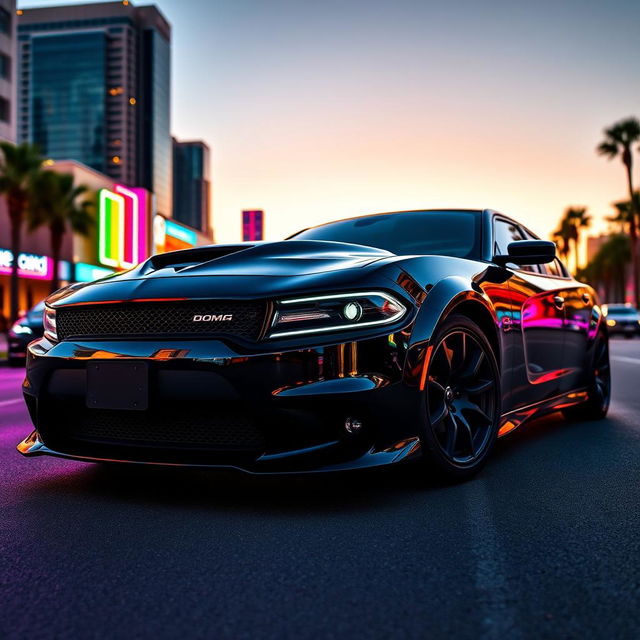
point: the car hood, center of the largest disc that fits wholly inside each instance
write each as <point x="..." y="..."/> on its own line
<point x="233" y="271"/>
<point x="288" y="258"/>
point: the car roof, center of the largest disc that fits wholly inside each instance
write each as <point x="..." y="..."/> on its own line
<point x="392" y="213"/>
<point x="617" y="306"/>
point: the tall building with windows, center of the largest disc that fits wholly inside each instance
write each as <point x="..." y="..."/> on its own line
<point x="7" y="70"/>
<point x="94" y="86"/>
<point x="191" y="184"/>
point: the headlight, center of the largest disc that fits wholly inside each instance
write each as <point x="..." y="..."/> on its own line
<point x="611" y="322"/>
<point x="320" y="314"/>
<point x="19" y="329"/>
<point x="49" y="320"/>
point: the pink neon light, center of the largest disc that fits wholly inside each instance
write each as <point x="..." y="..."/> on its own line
<point x="135" y="223"/>
<point x="29" y="273"/>
<point x="143" y="250"/>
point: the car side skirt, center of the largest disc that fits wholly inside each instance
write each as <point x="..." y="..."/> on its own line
<point x="514" y="419"/>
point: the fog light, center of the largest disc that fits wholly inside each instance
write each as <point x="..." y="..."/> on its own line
<point x="352" y="311"/>
<point x="353" y="425"/>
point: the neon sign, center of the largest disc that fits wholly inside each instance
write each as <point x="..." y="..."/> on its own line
<point x="252" y="225"/>
<point x="30" y="265"/>
<point x="88" y="272"/>
<point x="122" y="226"/>
<point x="169" y="235"/>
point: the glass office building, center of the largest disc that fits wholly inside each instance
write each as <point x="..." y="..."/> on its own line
<point x="191" y="185"/>
<point x="94" y="86"/>
<point x="7" y="73"/>
<point x="68" y="97"/>
<point x="157" y="78"/>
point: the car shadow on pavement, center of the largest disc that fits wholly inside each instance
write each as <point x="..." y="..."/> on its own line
<point x="235" y="490"/>
<point x="362" y="490"/>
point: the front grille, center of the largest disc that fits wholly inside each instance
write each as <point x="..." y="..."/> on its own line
<point x="194" y="428"/>
<point x="162" y="319"/>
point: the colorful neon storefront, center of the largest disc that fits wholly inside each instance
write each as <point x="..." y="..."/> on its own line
<point x="169" y="235"/>
<point x="122" y="227"/>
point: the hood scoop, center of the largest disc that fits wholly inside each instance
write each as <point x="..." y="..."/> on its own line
<point x="179" y="260"/>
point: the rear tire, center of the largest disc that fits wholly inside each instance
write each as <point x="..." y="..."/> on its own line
<point x="596" y="405"/>
<point x="462" y="401"/>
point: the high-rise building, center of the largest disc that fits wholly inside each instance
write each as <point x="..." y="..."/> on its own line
<point x="191" y="184"/>
<point x="7" y="70"/>
<point x="94" y="84"/>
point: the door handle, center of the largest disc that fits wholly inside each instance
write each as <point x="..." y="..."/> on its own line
<point x="586" y="298"/>
<point x="558" y="301"/>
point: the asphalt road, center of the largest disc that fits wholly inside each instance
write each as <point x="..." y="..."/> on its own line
<point x="544" y="543"/>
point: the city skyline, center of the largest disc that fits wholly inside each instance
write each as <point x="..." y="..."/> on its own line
<point x="315" y="112"/>
<point x="95" y="86"/>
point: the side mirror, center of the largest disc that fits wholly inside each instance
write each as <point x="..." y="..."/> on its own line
<point x="523" y="252"/>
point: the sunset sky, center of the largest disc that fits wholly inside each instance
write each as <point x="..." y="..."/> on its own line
<point x="320" y="110"/>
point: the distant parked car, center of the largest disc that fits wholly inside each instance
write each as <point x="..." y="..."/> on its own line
<point x="622" y="319"/>
<point x="23" y="331"/>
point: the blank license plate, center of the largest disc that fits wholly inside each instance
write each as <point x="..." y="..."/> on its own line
<point x="118" y="385"/>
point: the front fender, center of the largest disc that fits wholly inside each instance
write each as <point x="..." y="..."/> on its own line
<point x="441" y="300"/>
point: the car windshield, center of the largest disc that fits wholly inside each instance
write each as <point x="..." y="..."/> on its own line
<point x="443" y="233"/>
<point x="622" y="311"/>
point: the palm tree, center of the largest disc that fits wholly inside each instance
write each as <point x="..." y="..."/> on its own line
<point x="57" y="204"/>
<point x="624" y="210"/>
<point x="578" y="219"/>
<point x="618" y="142"/>
<point x="573" y="220"/>
<point x="609" y="267"/>
<point x="18" y="167"/>
<point x="563" y="237"/>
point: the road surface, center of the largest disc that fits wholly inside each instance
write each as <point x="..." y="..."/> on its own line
<point x="545" y="543"/>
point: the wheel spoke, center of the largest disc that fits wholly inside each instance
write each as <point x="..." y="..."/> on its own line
<point x="439" y="414"/>
<point x="478" y="386"/>
<point x="448" y="354"/>
<point x="474" y="365"/>
<point x="468" y="430"/>
<point x="435" y="387"/>
<point x="441" y="366"/>
<point x="474" y="408"/>
<point x="463" y="350"/>
<point x="452" y="436"/>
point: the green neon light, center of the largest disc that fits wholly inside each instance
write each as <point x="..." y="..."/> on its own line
<point x="110" y="209"/>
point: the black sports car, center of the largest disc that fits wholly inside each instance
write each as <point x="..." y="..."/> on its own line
<point x="23" y="331"/>
<point x="369" y="341"/>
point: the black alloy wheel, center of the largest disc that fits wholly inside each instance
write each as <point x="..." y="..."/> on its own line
<point x="462" y="396"/>
<point x="596" y="406"/>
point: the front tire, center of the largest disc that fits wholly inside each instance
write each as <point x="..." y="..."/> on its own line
<point x="462" y="400"/>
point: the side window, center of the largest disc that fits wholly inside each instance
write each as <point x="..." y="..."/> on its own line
<point x="505" y="232"/>
<point x="564" y="272"/>
<point x="554" y="269"/>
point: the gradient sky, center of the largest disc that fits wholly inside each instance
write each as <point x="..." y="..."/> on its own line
<point x="320" y="110"/>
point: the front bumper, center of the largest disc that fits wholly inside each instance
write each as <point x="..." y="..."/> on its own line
<point x="210" y="405"/>
<point x="625" y="329"/>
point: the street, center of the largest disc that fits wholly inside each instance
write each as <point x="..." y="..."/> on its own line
<point x="545" y="542"/>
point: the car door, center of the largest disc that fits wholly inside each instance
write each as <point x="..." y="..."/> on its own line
<point x="537" y="324"/>
<point x="579" y="324"/>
